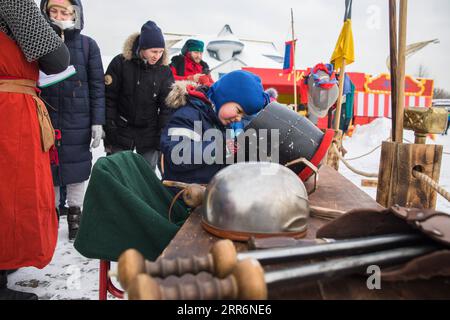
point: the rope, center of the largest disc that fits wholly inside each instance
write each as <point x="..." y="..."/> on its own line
<point x="364" y="155"/>
<point x="375" y="149"/>
<point x="418" y="175"/>
<point x="424" y="178"/>
<point x="348" y="165"/>
<point x="368" y="153"/>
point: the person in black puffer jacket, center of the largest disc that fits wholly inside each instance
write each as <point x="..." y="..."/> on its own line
<point x="77" y="106"/>
<point x="137" y="84"/>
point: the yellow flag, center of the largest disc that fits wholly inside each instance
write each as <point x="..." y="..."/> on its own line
<point x="344" y="47"/>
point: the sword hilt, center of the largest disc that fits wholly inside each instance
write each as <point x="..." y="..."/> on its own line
<point x="246" y="283"/>
<point x="220" y="261"/>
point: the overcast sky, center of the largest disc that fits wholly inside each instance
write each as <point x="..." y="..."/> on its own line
<point x="317" y="26"/>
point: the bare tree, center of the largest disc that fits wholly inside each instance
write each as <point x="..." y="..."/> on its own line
<point x="440" y="93"/>
<point x="422" y="72"/>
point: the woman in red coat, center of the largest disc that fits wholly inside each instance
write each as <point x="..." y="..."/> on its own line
<point x="28" y="222"/>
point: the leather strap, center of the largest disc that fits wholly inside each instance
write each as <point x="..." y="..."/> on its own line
<point x="25" y="86"/>
<point x="173" y="203"/>
<point x="433" y="223"/>
<point x="414" y="214"/>
<point x="246" y="236"/>
<point x="19" y="86"/>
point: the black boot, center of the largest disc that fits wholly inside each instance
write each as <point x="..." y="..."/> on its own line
<point x="73" y="220"/>
<point x="63" y="211"/>
<point x="8" y="294"/>
<point x="58" y="215"/>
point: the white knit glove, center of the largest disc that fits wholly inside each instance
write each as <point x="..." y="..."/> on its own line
<point x="97" y="133"/>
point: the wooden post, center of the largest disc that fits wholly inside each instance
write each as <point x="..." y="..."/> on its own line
<point x="393" y="61"/>
<point x="396" y="184"/>
<point x="337" y="114"/>
<point x="294" y="67"/>
<point x="401" y="71"/>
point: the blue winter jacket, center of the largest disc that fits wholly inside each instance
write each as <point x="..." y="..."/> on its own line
<point x="76" y="104"/>
<point x="201" y="158"/>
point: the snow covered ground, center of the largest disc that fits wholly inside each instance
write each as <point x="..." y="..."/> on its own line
<point x="71" y="276"/>
<point x="68" y="276"/>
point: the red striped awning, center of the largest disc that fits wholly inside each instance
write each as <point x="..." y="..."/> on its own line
<point x="379" y="105"/>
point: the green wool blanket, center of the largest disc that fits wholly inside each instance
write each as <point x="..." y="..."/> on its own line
<point x="126" y="206"/>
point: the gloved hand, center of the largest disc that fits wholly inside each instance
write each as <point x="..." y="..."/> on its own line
<point x="110" y="130"/>
<point x="97" y="134"/>
<point x="195" y="77"/>
<point x="205" y="80"/>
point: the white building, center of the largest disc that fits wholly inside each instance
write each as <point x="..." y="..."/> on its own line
<point x="225" y="52"/>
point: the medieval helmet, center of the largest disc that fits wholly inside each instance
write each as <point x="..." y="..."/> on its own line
<point x="323" y="89"/>
<point x="257" y="199"/>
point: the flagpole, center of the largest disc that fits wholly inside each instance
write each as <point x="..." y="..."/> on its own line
<point x="293" y="61"/>
<point x="401" y="71"/>
<point x="337" y="114"/>
<point x="393" y="62"/>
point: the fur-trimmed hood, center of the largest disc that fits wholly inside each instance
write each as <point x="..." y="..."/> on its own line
<point x="180" y="92"/>
<point x="130" y="47"/>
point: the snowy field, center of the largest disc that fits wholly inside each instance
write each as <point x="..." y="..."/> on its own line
<point x="71" y="276"/>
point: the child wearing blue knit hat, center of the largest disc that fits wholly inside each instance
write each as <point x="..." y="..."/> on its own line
<point x="237" y="93"/>
<point x="201" y="121"/>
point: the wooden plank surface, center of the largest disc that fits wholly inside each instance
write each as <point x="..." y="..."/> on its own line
<point x="334" y="192"/>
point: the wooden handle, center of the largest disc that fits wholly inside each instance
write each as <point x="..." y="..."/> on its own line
<point x="130" y="264"/>
<point x="175" y="184"/>
<point x="162" y="268"/>
<point x="221" y="262"/>
<point x="193" y="194"/>
<point x="246" y="283"/>
<point x="146" y="288"/>
<point x="224" y="256"/>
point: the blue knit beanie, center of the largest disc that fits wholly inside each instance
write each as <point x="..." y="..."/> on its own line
<point x="151" y="36"/>
<point x="241" y="87"/>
